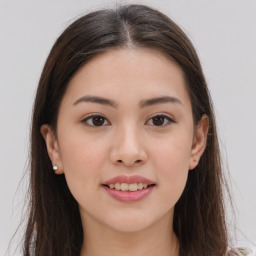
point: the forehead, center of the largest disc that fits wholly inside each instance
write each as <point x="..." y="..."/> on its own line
<point x="129" y="73"/>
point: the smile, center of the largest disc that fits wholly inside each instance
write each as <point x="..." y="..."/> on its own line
<point x="129" y="187"/>
<point x="129" y="196"/>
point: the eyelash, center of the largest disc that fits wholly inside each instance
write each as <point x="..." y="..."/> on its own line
<point x="169" y="120"/>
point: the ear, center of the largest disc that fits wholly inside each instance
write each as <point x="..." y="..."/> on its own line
<point x="199" y="141"/>
<point x="52" y="147"/>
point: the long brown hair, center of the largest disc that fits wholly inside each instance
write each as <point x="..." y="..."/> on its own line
<point x="54" y="225"/>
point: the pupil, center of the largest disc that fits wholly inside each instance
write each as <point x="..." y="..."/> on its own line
<point x="158" y="120"/>
<point x="98" y="121"/>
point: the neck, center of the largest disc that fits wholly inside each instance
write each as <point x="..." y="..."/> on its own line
<point x="156" y="240"/>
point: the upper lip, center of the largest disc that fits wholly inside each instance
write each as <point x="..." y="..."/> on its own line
<point x="129" y="180"/>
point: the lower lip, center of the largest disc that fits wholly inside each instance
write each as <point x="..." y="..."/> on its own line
<point x="129" y="196"/>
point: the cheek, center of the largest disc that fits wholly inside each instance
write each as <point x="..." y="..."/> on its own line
<point x="173" y="154"/>
<point x="172" y="165"/>
<point x="82" y="153"/>
<point x="83" y="161"/>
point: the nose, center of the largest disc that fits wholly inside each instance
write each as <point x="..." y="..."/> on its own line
<point x="128" y="148"/>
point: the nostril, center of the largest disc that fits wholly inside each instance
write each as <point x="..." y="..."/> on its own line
<point x="139" y="161"/>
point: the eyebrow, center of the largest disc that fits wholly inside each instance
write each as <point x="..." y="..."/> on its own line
<point x="159" y="100"/>
<point x="97" y="99"/>
<point x="142" y="104"/>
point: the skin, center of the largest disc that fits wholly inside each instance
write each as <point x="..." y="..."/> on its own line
<point x="127" y="143"/>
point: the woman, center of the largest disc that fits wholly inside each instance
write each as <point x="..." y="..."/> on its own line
<point x="124" y="156"/>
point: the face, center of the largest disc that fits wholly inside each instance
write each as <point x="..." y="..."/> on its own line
<point x="126" y="118"/>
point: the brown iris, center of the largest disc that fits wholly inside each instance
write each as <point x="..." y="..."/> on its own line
<point x="98" y="120"/>
<point x="158" y="120"/>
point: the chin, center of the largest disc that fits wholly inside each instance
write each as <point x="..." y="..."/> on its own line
<point x="130" y="223"/>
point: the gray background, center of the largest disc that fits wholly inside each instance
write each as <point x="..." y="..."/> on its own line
<point x="224" y="34"/>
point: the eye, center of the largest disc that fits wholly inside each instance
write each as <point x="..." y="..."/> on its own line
<point x="95" y="121"/>
<point x="160" y="120"/>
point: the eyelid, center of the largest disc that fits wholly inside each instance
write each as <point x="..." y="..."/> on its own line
<point x="90" y="116"/>
<point x="86" y="118"/>
<point x="170" y="119"/>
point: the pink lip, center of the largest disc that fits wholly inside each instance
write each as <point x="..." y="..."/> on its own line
<point x="128" y="179"/>
<point x="128" y="196"/>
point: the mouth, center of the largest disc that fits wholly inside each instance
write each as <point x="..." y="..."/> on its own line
<point x="131" y="187"/>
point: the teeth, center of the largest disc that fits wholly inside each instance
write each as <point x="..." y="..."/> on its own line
<point x="140" y="186"/>
<point x="117" y="186"/>
<point x="124" y="186"/>
<point x="133" y="187"/>
<point x="128" y="187"/>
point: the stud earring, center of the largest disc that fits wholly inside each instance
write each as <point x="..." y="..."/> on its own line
<point x="55" y="167"/>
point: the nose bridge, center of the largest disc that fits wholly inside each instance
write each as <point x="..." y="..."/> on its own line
<point x="129" y="137"/>
<point x="128" y="147"/>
